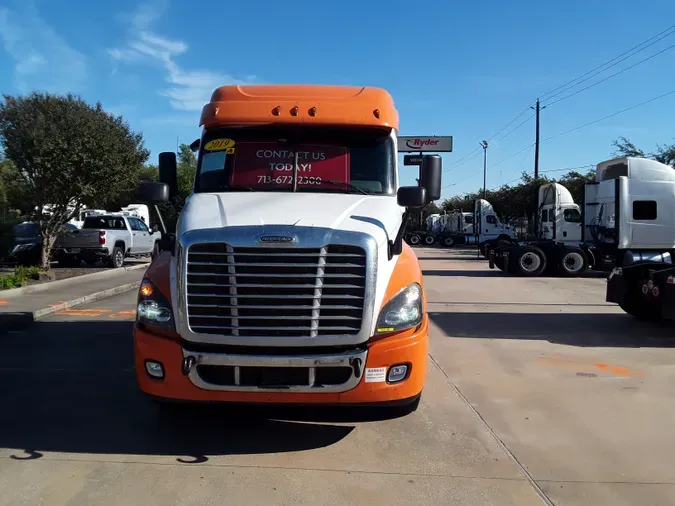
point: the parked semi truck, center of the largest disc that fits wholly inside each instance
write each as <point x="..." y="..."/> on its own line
<point x="641" y="223"/>
<point x="287" y="280"/>
<point x="610" y="234"/>
<point x="426" y="235"/>
<point x="557" y="245"/>
<point x="488" y="230"/>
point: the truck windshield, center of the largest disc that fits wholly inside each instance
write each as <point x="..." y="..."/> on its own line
<point x="329" y="159"/>
<point x="104" y="222"/>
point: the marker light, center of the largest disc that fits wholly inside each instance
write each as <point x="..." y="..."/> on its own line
<point x="146" y="288"/>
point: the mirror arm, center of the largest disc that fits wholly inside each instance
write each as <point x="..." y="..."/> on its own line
<point x="396" y="246"/>
<point x="161" y="220"/>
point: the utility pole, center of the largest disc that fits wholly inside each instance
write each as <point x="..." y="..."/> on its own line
<point x="537" y="110"/>
<point x="536" y="141"/>
<point x="484" y="145"/>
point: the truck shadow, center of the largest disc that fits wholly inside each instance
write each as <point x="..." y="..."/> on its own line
<point x="576" y="329"/>
<point x="70" y="387"/>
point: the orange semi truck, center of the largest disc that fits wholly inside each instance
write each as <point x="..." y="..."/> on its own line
<point x="287" y="279"/>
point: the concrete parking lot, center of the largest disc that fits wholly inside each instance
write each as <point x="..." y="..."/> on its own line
<point x="538" y="393"/>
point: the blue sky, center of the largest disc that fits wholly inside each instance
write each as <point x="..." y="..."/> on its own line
<point x="454" y="68"/>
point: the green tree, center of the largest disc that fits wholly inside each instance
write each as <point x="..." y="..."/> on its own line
<point x="68" y="154"/>
<point x="663" y="153"/>
<point x="187" y="169"/>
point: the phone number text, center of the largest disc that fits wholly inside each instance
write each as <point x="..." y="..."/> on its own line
<point x="288" y="180"/>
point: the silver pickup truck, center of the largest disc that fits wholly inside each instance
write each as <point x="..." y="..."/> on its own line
<point x="108" y="238"/>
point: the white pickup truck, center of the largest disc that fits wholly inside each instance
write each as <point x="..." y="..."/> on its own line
<point x="109" y="238"/>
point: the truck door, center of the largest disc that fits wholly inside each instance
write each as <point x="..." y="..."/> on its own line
<point x="546" y="217"/>
<point x="491" y="229"/>
<point x="140" y="242"/>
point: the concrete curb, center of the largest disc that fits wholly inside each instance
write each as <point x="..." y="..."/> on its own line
<point x="24" y="290"/>
<point x="17" y="321"/>
<point x="55" y="308"/>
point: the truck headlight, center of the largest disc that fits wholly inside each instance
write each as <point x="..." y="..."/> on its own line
<point x="402" y="312"/>
<point x="153" y="308"/>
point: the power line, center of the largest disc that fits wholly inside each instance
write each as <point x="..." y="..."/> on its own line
<point x="611" y="76"/>
<point x="609" y="116"/>
<point x="514" y="129"/>
<point x="529" y="146"/>
<point x="520" y="165"/>
<point x="650" y="42"/>
<point x="568" y="169"/>
<point x="473" y="154"/>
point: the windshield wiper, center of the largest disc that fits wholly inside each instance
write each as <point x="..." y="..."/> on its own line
<point x="347" y="185"/>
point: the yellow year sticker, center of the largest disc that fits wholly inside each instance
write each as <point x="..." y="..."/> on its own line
<point x="219" y="145"/>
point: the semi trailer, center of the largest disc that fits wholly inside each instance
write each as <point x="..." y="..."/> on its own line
<point x="287" y="280"/>
<point x="618" y="223"/>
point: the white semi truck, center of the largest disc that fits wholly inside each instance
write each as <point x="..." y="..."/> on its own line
<point x="488" y="230"/>
<point x="618" y="223"/>
<point x="428" y="234"/>
<point x="456" y="226"/>
<point x="640" y="222"/>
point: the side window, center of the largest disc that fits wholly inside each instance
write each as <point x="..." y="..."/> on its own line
<point x="492" y="220"/>
<point x="544" y="216"/>
<point x="141" y="225"/>
<point x="133" y="224"/>
<point x="644" y="210"/>
<point x="572" y="216"/>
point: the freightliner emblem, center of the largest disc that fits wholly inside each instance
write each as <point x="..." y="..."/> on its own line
<point x="278" y="239"/>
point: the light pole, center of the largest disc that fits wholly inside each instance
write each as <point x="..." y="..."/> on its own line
<point x="484" y="145"/>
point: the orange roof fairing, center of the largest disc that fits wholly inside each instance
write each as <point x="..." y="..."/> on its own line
<point x="300" y="104"/>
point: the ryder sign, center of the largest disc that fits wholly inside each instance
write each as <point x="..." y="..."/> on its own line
<point x="435" y="144"/>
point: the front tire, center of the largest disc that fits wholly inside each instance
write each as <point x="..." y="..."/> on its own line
<point x="530" y="261"/>
<point x="448" y="241"/>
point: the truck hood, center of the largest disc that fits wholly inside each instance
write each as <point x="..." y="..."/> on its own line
<point x="379" y="216"/>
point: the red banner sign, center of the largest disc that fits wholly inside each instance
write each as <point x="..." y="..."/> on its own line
<point x="272" y="164"/>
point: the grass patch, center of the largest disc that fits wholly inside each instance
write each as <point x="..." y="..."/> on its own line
<point x="18" y="277"/>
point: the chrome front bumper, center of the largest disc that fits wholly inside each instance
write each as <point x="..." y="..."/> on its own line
<point x="239" y="365"/>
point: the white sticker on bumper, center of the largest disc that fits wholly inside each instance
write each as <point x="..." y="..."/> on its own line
<point x="376" y="374"/>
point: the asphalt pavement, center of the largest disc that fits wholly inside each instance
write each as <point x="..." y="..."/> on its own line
<point x="538" y="393"/>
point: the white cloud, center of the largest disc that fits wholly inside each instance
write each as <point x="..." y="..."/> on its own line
<point x="188" y="90"/>
<point x="43" y="60"/>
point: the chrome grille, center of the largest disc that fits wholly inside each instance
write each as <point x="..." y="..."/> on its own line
<point x="275" y="291"/>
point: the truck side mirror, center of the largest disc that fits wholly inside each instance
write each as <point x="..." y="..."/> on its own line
<point x="194" y="147"/>
<point x="412" y="197"/>
<point x="168" y="171"/>
<point x="152" y="193"/>
<point x="430" y="176"/>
